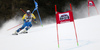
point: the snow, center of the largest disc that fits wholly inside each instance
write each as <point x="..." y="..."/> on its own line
<point x="45" y="38"/>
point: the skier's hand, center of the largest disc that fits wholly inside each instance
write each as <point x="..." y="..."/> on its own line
<point x="35" y="22"/>
<point x="24" y="20"/>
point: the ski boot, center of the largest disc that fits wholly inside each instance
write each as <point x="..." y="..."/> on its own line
<point x="24" y="32"/>
<point x="16" y="33"/>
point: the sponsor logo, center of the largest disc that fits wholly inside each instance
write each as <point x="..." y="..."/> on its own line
<point x="90" y="3"/>
<point x="64" y="17"/>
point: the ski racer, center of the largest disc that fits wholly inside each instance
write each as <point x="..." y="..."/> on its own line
<point x="27" y="18"/>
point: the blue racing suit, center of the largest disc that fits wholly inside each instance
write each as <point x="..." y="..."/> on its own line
<point x="27" y="21"/>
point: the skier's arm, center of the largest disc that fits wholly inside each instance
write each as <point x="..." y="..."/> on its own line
<point x="24" y="18"/>
<point x="33" y="16"/>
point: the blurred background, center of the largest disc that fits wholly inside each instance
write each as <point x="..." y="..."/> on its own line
<point x="11" y="8"/>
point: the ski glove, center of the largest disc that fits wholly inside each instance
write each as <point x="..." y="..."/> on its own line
<point x="34" y="19"/>
<point x="35" y="22"/>
<point x="25" y="21"/>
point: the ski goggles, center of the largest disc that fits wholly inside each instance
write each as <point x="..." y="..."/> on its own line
<point x="28" y="13"/>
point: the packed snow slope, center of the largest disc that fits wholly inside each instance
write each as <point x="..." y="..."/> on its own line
<point x="45" y="38"/>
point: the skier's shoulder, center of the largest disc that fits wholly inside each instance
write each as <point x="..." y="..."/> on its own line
<point x="32" y="14"/>
<point x="24" y="15"/>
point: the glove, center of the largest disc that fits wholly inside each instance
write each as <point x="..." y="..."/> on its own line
<point x="35" y="22"/>
<point x="34" y="19"/>
<point x="24" y="20"/>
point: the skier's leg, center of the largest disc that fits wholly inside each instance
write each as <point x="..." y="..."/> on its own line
<point x="25" y="24"/>
<point x="16" y="32"/>
<point x="20" y="28"/>
<point x="28" y="27"/>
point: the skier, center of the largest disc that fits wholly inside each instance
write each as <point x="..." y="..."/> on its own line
<point x="36" y="6"/>
<point x="27" y="18"/>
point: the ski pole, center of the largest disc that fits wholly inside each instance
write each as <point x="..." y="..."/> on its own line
<point x="39" y="17"/>
<point x="22" y="10"/>
<point x="14" y="27"/>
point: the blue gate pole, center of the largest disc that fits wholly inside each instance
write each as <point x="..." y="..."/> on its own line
<point x="39" y="17"/>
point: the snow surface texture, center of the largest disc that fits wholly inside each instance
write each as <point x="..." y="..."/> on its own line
<point x="45" y="38"/>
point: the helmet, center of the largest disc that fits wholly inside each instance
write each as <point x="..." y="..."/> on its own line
<point x="28" y="12"/>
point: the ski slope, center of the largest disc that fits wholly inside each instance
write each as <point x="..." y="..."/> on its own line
<point x="45" y="38"/>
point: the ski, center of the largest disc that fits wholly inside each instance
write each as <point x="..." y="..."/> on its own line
<point x="23" y="33"/>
